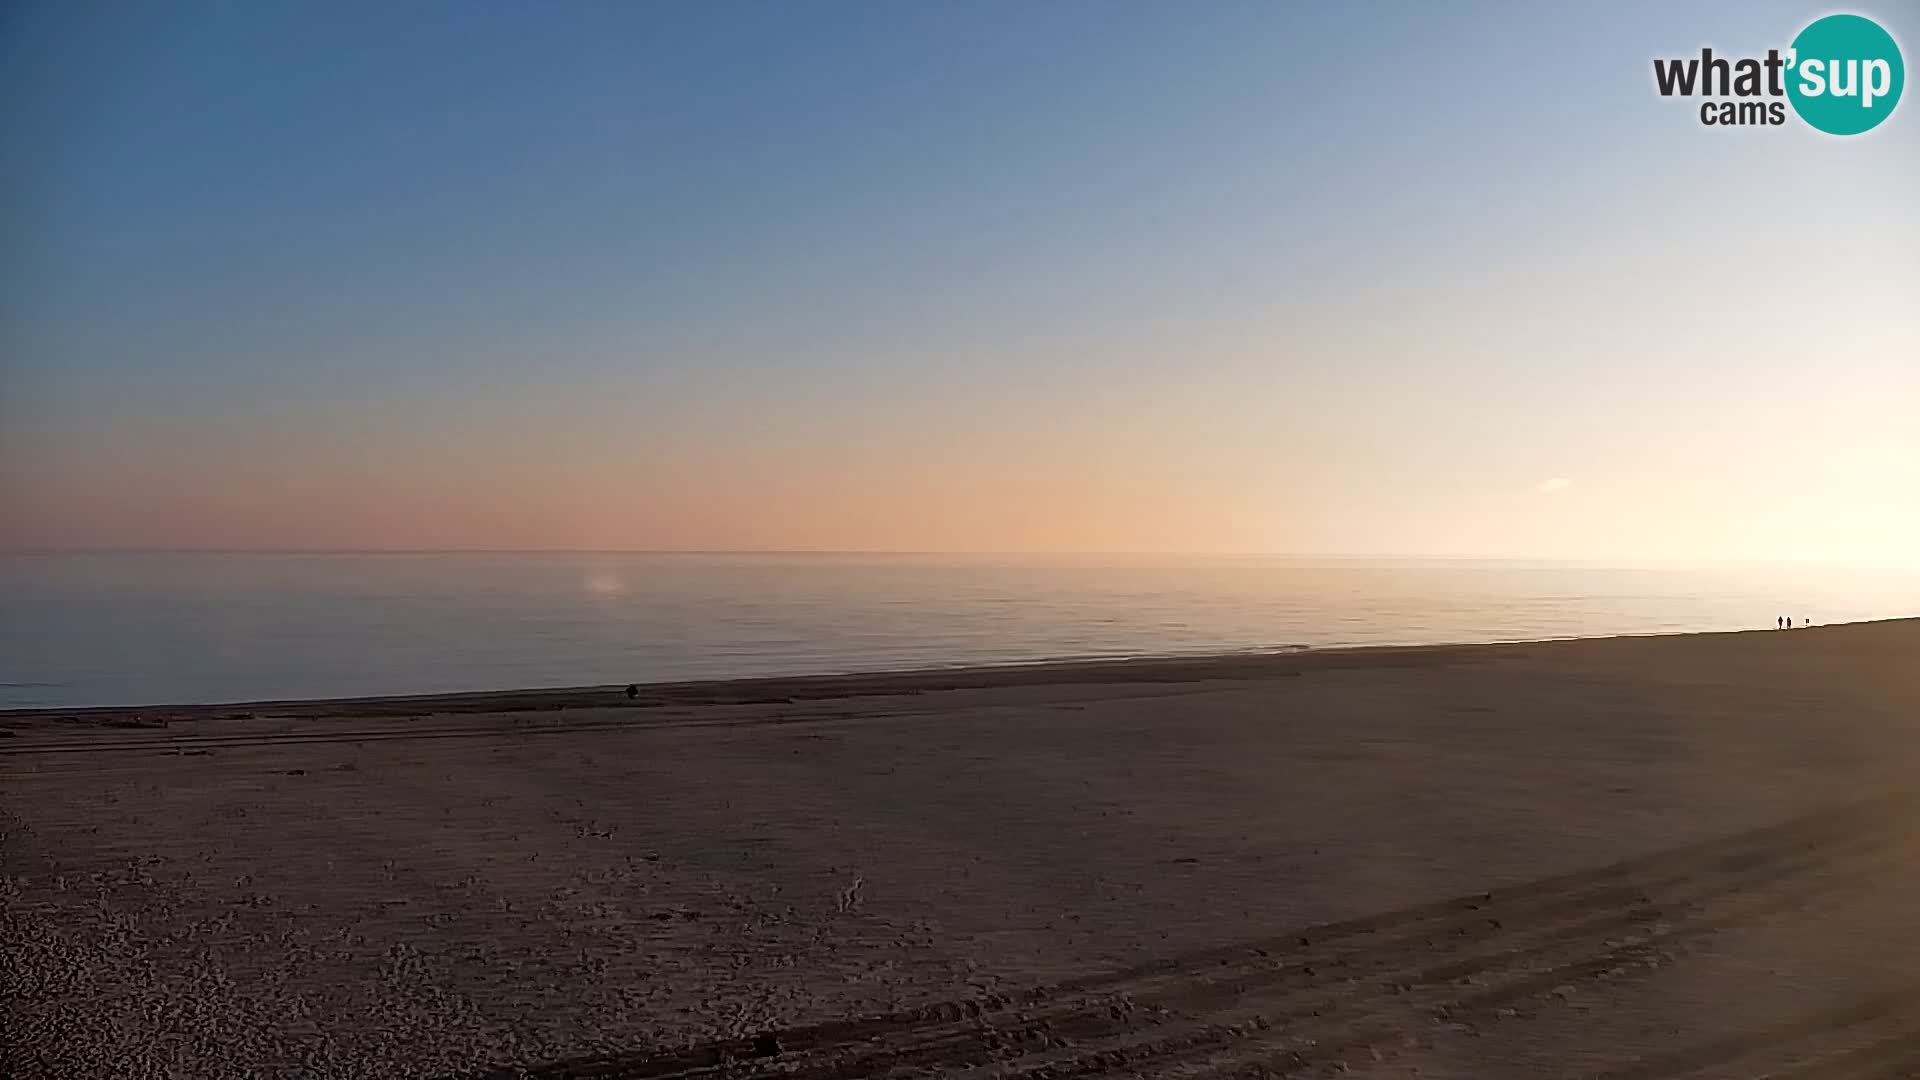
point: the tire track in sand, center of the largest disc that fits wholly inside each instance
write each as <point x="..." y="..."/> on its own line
<point x="1313" y="996"/>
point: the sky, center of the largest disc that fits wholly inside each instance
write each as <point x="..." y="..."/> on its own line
<point x="1405" y="279"/>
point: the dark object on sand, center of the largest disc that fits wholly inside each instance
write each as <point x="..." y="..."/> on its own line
<point x="633" y="691"/>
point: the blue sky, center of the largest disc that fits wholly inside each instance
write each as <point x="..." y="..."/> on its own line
<point x="1323" y="278"/>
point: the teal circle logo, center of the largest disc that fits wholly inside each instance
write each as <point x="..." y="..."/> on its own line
<point x="1845" y="74"/>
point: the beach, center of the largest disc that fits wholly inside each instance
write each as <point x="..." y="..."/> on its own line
<point x="1664" y="856"/>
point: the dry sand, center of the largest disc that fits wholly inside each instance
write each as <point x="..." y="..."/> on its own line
<point x="1633" y="858"/>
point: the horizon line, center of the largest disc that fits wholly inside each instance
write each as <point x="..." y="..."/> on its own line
<point x="982" y="553"/>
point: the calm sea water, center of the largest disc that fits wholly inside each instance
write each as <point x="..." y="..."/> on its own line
<point x="138" y="629"/>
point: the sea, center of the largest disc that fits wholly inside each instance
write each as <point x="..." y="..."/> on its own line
<point x="135" y="629"/>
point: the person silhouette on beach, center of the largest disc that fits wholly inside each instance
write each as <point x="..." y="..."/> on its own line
<point x="1776" y="622"/>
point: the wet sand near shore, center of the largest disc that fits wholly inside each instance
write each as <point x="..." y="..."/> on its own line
<point x="1692" y="856"/>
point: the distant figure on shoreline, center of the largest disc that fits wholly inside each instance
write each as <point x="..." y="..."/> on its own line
<point x="633" y="691"/>
<point x="1778" y="623"/>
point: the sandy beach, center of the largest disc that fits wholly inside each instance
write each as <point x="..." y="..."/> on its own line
<point x="1659" y="857"/>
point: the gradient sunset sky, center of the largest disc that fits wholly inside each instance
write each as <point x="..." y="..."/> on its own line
<point x="1368" y="279"/>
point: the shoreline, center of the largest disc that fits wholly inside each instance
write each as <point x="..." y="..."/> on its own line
<point x="1240" y="665"/>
